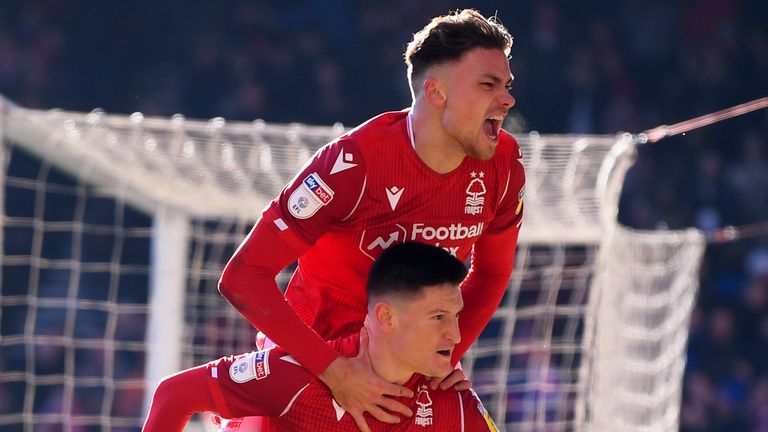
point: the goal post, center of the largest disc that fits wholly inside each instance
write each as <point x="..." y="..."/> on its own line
<point x="638" y="328"/>
<point x="165" y="326"/>
<point x="116" y="228"/>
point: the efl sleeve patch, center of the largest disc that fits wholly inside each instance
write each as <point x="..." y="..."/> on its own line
<point x="520" y="200"/>
<point x="488" y="420"/>
<point x="486" y="415"/>
<point x="250" y="367"/>
<point x="309" y="197"/>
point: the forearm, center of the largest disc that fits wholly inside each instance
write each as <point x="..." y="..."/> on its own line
<point x="248" y="283"/>
<point x="487" y="291"/>
<point x="176" y="398"/>
<point x="493" y="259"/>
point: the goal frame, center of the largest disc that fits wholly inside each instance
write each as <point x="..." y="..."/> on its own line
<point x="582" y="211"/>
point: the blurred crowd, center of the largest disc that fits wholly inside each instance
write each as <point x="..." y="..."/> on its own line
<point x="593" y="66"/>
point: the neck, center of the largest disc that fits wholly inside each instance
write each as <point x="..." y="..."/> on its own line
<point x="384" y="363"/>
<point x="439" y="151"/>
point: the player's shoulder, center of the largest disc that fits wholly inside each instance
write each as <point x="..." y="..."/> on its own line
<point x="476" y="416"/>
<point x="508" y="147"/>
<point x="357" y="145"/>
<point x="382" y="128"/>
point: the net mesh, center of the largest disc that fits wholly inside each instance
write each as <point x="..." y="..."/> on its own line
<point x="638" y="328"/>
<point x="73" y="303"/>
<point x="591" y="307"/>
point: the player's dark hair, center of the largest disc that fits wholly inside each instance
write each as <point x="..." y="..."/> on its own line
<point x="446" y="38"/>
<point x="409" y="267"/>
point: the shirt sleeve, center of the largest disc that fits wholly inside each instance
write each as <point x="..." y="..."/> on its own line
<point x="492" y="261"/>
<point x="324" y="192"/>
<point x="260" y="383"/>
<point x="476" y="417"/>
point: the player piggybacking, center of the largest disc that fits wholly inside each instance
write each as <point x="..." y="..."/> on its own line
<point x="379" y="193"/>
<point x="442" y="172"/>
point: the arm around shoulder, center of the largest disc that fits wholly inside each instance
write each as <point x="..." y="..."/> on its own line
<point x="248" y="283"/>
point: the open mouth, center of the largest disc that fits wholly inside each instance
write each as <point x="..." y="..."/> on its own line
<point x="491" y="126"/>
<point x="445" y="353"/>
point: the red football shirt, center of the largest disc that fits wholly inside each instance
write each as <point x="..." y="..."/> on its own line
<point x="270" y="383"/>
<point x="357" y="196"/>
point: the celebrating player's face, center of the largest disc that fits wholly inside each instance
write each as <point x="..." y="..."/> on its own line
<point x="428" y="329"/>
<point x="477" y="91"/>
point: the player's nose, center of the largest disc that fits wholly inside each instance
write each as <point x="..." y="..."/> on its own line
<point x="507" y="100"/>
<point x="453" y="333"/>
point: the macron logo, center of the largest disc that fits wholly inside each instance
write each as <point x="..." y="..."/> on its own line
<point x="393" y="195"/>
<point x="343" y="162"/>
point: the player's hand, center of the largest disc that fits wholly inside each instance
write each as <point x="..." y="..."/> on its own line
<point x="455" y="379"/>
<point x="357" y="388"/>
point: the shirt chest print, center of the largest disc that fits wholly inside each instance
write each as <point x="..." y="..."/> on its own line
<point x="393" y="195"/>
<point x="424" y="412"/>
<point x="476" y="191"/>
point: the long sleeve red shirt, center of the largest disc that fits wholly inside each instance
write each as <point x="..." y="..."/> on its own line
<point x="271" y="384"/>
<point x="357" y="196"/>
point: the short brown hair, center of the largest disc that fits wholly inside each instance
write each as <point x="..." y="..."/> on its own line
<point x="446" y="38"/>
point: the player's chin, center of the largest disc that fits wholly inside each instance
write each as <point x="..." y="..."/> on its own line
<point x="483" y="151"/>
<point x="486" y="154"/>
<point x="487" y="147"/>
<point x="441" y="366"/>
<point x="437" y="370"/>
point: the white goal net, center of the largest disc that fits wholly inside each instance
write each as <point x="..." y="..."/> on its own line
<point x="115" y="230"/>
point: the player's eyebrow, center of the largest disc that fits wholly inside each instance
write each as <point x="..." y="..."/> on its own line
<point x="497" y="80"/>
<point x="444" y="311"/>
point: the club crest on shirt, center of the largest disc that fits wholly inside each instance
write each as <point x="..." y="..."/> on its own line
<point x="475" y="191"/>
<point x="250" y="367"/>
<point x="309" y="197"/>
<point x="424" y="411"/>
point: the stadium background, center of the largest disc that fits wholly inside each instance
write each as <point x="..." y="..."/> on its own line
<point x="580" y="67"/>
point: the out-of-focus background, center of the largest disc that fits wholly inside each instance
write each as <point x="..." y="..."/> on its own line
<point x="580" y="67"/>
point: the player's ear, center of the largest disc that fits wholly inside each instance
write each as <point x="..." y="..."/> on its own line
<point x="383" y="315"/>
<point x="434" y="92"/>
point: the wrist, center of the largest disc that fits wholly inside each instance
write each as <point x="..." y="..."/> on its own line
<point x="331" y="373"/>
